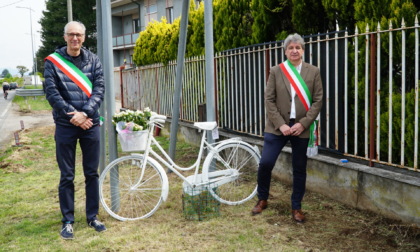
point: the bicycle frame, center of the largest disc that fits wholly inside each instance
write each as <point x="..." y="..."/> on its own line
<point x="168" y="162"/>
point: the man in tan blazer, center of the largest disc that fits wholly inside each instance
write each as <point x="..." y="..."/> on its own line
<point x="288" y="120"/>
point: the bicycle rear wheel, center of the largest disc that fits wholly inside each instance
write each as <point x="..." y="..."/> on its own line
<point x="128" y="192"/>
<point x="232" y="171"/>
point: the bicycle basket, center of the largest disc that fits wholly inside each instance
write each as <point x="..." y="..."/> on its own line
<point x="133" y="141"/>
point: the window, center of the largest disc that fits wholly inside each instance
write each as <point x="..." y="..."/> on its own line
<point x="136" y="25"/>
<point x="170" y="14"/>
<point x="151" y="11"/>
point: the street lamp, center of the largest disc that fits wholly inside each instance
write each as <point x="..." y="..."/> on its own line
<point x="32" y="42"/>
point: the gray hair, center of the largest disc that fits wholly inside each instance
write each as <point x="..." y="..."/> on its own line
<point x="295" y="38"/>
<point x="75" y="22"/>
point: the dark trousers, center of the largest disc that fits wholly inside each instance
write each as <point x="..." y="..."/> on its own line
<point x="66" y="140"/>
<point x="273" y="144"/>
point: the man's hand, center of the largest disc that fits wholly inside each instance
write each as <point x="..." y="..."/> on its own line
<point x="295" y="130"/>
<point x="87" y="124"/>
<point x="80" y="120"/>
<point x="285" y="129"/>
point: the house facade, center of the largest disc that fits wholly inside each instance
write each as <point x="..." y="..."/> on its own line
<point x="129" y="17"/>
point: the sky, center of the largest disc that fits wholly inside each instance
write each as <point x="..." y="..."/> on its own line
<point x="15" y="41"/>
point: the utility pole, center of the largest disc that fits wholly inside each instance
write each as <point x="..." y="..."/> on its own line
<point x="35" y="70"/>
<point x="209" y="58"/>
<point x="69" y="11"/>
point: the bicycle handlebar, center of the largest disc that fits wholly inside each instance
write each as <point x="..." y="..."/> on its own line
<point x="158" y="119"/>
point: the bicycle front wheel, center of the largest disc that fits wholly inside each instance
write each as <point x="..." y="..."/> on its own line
<point x="129" y="192"/>
<point x="232" y="172"/>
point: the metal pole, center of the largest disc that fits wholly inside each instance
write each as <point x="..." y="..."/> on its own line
<point x="69" y="11"/>
<point x="109" y="93"/>
<point x="34" y="66"/>
<point x="109" y="80"/>
<point x="33" y="52"/>
<point x="178" y="78"/>
<point x="99" y="38"/>
<point x="209" y="57"/>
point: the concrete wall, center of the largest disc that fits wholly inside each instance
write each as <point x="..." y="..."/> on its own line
<point x="392" y="194"/>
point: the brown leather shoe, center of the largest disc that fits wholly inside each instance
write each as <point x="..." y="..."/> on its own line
<point x="259" y="207"/>
<point x="298" y="216"/>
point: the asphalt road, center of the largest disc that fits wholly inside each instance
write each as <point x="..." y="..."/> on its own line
<point x="11" y="120"/>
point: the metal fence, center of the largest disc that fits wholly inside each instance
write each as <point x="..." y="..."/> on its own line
<point x="370" y="82"/>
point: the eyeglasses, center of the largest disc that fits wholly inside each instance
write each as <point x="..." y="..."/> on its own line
<point x="71" y="35"/>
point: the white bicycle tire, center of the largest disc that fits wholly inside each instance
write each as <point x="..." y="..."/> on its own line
<point x="122" y="199"/>
<point x="240" y="156"/>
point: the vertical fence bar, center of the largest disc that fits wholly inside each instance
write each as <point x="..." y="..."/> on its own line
<point x="250" y="87"/>
<point x="327" y="87"/>
<point x="416" y="85"/>
<point x="229" y="85"/>
<point x="346" y="94"/>
<point x="318" y="43"/>
<point x="242" y="97"/>
<point x="356" y="90"/>
<point x="235" y="97"/>
<point x="261" y="67"/>
<point x="336" y="88"/>
<point x="403" y="73"/>
<point x="310" y="51"/>
<point x="256" y="85"/>
<point x="224" y="78"/>
<point x="378" y="94"/>
<point x="366" y="93"/>
<point x="390" y="94"/>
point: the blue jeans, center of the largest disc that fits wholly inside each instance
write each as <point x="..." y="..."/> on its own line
<point x="273" y="144"/>
<point x="66" y="140"/>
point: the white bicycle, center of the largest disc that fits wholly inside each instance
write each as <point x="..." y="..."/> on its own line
<point x="133" y="187"/>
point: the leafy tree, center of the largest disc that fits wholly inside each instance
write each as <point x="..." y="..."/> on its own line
<point x="22" y="70"/>
<point x="157" y="43"/>
<point x="272" y="20"/>
<point x="309" y="17"/>
<point x="55" y="18"/>
<point x="232" y="24"/>
<point x="5" y="73"/>
<point x="340" y="11"/>
<point x="195" y="41"/>
<point x="367" y="10"/>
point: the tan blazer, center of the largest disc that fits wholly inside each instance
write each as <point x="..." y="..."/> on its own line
<point x="278" y="99"/>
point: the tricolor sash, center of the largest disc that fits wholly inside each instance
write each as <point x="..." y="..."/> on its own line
<point x="302" y="91"/>
<point x="71" y="71"/>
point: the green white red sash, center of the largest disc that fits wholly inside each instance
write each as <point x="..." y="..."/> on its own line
<point x="74" y="73"/>
<point x="297" y="83"/>
<point x="302" y="91"/>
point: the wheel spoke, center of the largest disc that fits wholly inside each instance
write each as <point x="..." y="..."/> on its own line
<point x="128" y="198"/>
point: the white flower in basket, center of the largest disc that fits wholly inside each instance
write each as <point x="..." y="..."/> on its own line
<point x="132" y="128"/>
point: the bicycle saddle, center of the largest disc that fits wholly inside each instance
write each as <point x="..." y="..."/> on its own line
<point x="205" y="125"/>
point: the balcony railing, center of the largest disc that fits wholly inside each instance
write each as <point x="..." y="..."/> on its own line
<point x="126" y="40"/>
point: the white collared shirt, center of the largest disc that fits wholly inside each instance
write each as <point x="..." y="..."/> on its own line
<point x="293" y="92"/>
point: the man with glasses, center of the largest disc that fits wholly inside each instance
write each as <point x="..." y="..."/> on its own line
<point x="74" y="85"/>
